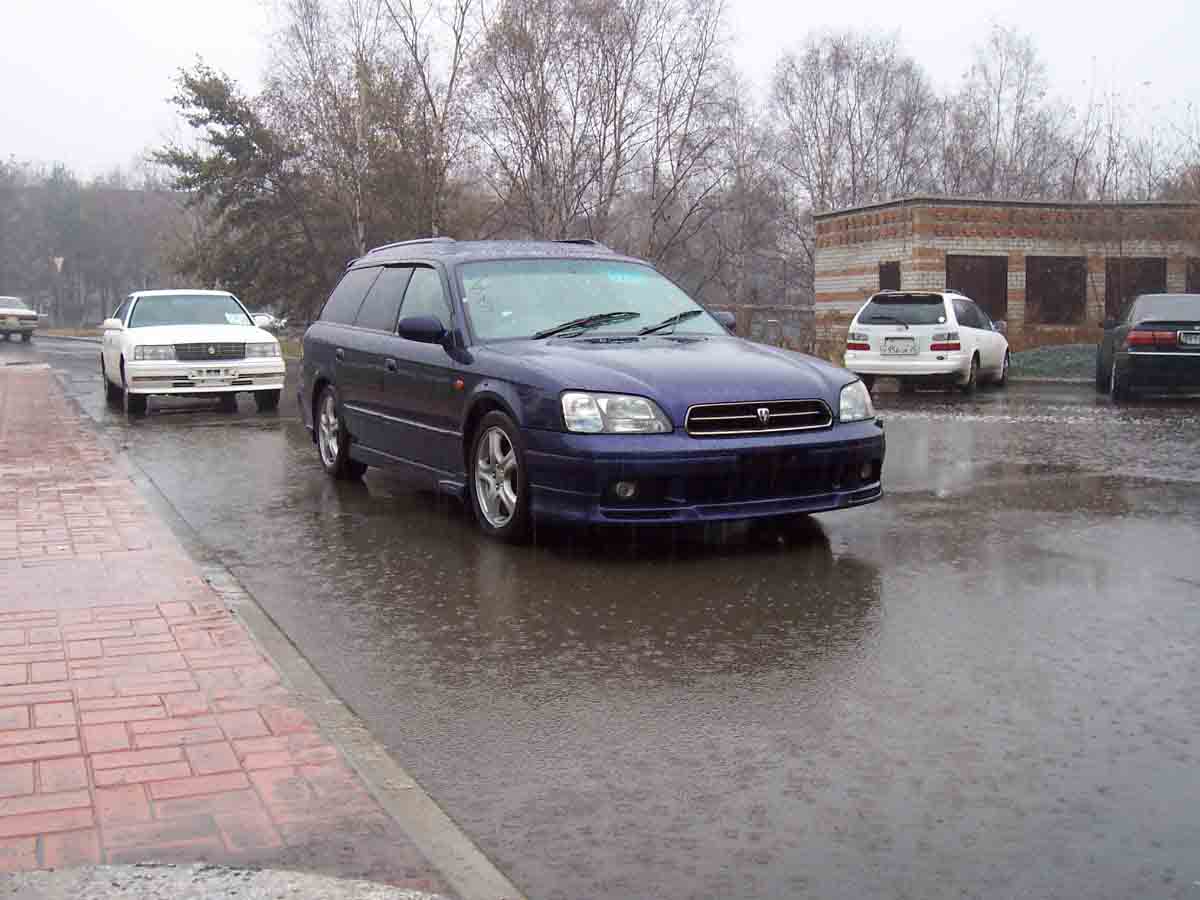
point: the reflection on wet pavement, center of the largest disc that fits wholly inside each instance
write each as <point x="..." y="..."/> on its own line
<point x="982" y="686"/>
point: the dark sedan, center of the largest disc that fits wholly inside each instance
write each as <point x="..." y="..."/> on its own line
<point x="1154" y="348"/>
<point x="559" y="380"/>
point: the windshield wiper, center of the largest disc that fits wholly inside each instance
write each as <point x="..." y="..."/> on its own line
<point x="674" y="320"/>
<point x="592" y="321"/>
<point x="878" y="317"/>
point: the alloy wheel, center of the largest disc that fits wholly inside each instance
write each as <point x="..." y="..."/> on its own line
<point x="328" y="431"/>
<point x="496" y="477"/>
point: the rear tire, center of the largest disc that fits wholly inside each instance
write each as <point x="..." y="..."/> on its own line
<point x="868" y="382"/>
<point x="333" y="440"/>
<point x="1101" y="375"/>
<point x="27" y="337"/>
<point x="907" y="386"/>
<point x="972" y="383"/>
<point x="227" y="402"/>
<point x="266" y="401"/>
<point x="1118" y="384"/>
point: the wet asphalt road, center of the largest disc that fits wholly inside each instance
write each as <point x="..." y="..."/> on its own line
<point x="983" y="686"/>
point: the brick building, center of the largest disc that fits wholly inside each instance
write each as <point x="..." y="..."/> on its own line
<point x="1051" y="270"/>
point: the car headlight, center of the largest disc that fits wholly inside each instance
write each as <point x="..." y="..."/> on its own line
<point x="154" y="351"/>
<point x="856" y="403"/>
<point x="263" y="349"/>
<point x="612" y="414"/>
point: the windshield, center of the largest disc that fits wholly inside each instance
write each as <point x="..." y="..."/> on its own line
<point x="13" y="303"/>
<point x="188" y="309"/>
<point x="909" y="309"/>
<point x="507" y="299"/>
<point x="1166" y="307"/>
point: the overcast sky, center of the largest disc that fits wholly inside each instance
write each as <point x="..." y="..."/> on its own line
<point x="87" y="83"/>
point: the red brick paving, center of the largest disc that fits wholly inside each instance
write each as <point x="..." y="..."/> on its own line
<point x="138" y="719"/>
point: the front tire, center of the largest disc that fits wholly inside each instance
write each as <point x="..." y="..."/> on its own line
<point x="266" y="401"/>
<point x="498" y="481"/>
<point x="1002" y="378"/>
<point x="135" y="404"/>
<point x="972" y="383"/>
<point x="333" y="440"/>
<point x="112" y="393"/>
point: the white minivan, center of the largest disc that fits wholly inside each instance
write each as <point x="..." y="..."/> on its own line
<point x="927" y="338"/>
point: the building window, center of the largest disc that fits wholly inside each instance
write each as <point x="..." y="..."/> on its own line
<point x="1055" y="289"/>
<point x="1193" y="276"/>
<point x="1127" y="276"/>
<point x="982" y="278"/>
<point x="889" y="276"/>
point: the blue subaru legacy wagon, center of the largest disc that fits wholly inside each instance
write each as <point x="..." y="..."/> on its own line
<point x="560" y="380"/>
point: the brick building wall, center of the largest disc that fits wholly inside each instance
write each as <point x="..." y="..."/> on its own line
<point x="920" y="234"/>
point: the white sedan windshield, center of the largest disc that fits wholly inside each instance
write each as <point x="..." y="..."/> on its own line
<point x="188" y="309"/>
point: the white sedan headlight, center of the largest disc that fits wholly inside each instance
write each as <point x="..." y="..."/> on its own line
<point x="154" y="352"/>
<point x="856" y="403"/>
<point x="263" y="349"/>
<point x="590" y="413"/>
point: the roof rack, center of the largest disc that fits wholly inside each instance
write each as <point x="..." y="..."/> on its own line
<point x="428" y="240"/>
<point x="582" y="242"/>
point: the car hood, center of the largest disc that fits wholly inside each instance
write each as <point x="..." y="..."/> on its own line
<point x="199" y="334"/>
<point x="15" y="311"/>
<point x="676" y="372"/>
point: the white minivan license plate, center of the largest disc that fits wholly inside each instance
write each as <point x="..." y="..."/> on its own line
<point x="899" y="347"/>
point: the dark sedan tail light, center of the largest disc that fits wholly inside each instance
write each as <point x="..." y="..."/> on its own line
<point x="1151" y="339"/>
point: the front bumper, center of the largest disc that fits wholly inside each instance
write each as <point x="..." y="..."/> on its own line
<point x="1161" y="371"/>
<point x="952" y="366"/>
<point x="165" y="377"/>
<point x="9" y="325"/>
<point x="682" y="479"/>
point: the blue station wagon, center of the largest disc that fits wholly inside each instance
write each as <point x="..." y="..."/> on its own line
<point x="560" y="380"/>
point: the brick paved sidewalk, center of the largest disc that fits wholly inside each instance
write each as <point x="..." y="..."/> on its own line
<point x="138" y="719"/>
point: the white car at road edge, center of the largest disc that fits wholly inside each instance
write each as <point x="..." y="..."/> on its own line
<point x="927" y="338"/>
<point x="188" y="342"/>
<point x="17" y="318"/>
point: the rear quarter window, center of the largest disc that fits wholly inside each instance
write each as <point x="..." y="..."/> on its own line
<point x="342" y="305"/>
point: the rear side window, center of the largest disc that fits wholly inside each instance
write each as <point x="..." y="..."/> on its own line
<point x="342" y="305"/>
<point x="906" y="309"/>
<point x="382" y="306"/>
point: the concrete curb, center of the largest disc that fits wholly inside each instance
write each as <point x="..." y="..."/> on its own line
<point x="464" y="867"/>
<point x="67" y="337"/>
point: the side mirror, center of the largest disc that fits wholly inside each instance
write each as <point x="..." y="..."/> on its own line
<point x="425" y="329"/>
<point x="1108" y="324"/>
<point x="728" y="319"/>
<point x="262" y="320"/>
<point x="112" y="325"/>
<point x="1001" y="326"/>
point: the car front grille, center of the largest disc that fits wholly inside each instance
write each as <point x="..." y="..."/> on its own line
<point x="200" y="352"/>
<point x="768" y="417"/>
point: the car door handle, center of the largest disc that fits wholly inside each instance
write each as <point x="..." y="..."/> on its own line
<point x="390" y="365"/>
<point x="339" y="353"/>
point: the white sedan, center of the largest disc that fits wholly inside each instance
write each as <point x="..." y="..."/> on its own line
<point x="188" y="343"/>
<point x="17" y="318"/>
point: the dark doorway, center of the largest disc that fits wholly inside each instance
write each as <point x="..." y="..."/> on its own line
<point x="1055" y="289"/>
<point x="889" y="276"/>
<point x="1193" y="276"/>
<point x="1127" y="276"/>
<point x="982" y="278"/>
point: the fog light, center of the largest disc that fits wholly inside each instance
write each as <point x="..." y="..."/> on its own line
<point x="625" y="490"/>
<point x="867" y="470"/>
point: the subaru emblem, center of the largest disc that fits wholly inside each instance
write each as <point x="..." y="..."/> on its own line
<point x="764" y="415"/>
